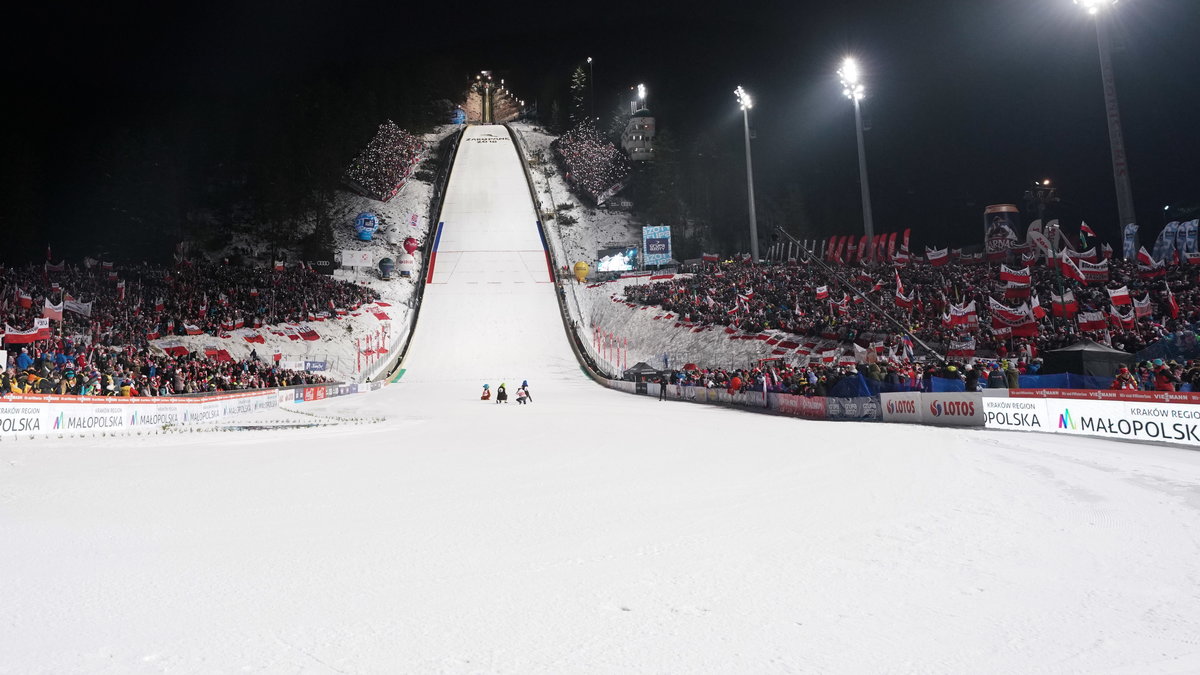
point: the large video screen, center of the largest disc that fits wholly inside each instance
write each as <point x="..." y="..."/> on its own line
<point x="617" y="259"/>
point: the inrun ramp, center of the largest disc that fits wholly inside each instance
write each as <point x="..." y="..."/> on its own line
<point x="489" y="313"/>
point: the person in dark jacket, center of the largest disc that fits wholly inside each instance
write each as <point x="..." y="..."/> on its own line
<point x="996" y="378"/>
<point x="972" y="379"/>
<point x="501" y="394"/>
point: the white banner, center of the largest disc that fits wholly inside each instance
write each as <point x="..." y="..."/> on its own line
<point x="902" y="407"/>
<point x="949" y="409"/>
<point x="1024" y="414"/>
<point x="356" y="258"/>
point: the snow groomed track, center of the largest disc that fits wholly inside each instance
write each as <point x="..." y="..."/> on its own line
<point x="591" y="531"/>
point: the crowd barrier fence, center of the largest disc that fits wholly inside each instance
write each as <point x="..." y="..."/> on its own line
<point x="48" y="414"/>
<point x="1168" y="417"/>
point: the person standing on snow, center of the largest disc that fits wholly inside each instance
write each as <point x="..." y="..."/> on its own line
<point x="501" y="394"/>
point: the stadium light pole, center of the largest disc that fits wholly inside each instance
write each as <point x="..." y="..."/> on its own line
<point x="1116" y="137"/>
<point x="747" y="103"/>
<point x="853" y="88"/>
<point x="592" y="84"/>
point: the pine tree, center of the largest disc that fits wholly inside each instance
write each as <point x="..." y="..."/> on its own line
<point x="579" y="85"/>
<point x="616" y="125"/>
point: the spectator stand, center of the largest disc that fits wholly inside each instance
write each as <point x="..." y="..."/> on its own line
<point x="384" y="165"/>
<point x="594" y="167"/>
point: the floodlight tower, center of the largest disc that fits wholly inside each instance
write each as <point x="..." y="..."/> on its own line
<point x="592" y="84"/>
<point x="852" y="87"/>
<point x="747" y="103"/>
<point x="1116" y="137"/>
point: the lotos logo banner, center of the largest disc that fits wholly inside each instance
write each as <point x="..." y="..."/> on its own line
<point x="902" y="407"/>
<point x="938" y="408"/>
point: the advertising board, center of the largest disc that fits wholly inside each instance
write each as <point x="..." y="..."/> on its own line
<point x="656" y="244"/>
<point x="863" y="408"/>
<point x="799" y="406"/>
<point x="957" y="410"/>
<point x="902" y="407"/>
<point x="1022" y="414"/>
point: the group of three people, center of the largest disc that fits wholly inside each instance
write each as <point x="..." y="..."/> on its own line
<point x="523" y="395"/>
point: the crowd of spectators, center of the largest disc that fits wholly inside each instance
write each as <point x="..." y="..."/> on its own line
<point x="62" y="367"/>
<point x="817" y="379"/>
<point x="129" y="305"/>
<point x="591" y="164"/>
<point x="107" y="340"/>
<point x="787" y="298"/>
<point x="382" y="167"/>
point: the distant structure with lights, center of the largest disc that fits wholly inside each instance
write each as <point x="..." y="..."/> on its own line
<point x="637" y="140"/>
<point x="489" y="101"/>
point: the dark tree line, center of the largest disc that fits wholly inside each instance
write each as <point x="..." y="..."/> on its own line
<point x="135" y="179"/>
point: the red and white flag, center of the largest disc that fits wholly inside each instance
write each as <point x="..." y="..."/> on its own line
<point x="1065" y="305"/>
<point x="52" y="311"/>
<point x="1069" y="269"/>
<point x="1021" y="276"/>
<point x="1172" y="305"/>
<point x="1142" y="308"/>
<point x="1035" y="306"/>
<point x="1089" y="321"/>
<point x="937" y="257"/>
<point x="1119" y="296"/>
<point x="822" y="292"/>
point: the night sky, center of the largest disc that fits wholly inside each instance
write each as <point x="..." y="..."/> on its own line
<point x="967" y="102"/>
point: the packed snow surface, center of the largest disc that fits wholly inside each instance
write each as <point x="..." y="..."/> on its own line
<point x="589" y="531"/>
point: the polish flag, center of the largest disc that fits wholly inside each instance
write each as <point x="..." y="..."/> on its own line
<point x="1119" y="296"/>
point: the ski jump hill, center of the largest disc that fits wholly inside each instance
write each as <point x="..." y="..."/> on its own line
<point x="489" y="311"/>
<point x="590" y="531"/>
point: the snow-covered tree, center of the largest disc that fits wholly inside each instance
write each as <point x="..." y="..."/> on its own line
<point x="579" y="84"/>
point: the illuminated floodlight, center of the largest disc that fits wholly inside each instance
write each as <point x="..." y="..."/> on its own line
<point x="589" y="59"/>
<point x="852" y="85"/>
<point x="743" y="98"/>
<point x="1093" y="7"/>
<point x="642" y="92"/>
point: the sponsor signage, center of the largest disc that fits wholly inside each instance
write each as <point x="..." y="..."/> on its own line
<point x="1125" y="420"/>
<point x="799" y="406"/>
<point x="21" y="418"/>
<point x="903" y="407"/>
<point x="953" y="409"/>
<point x="54" y="414"/>
<point x="356" y="258"/>
<point x="859" y="408"/>
<point x="656" y="245"/>
<point x="1024" y="414"/>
